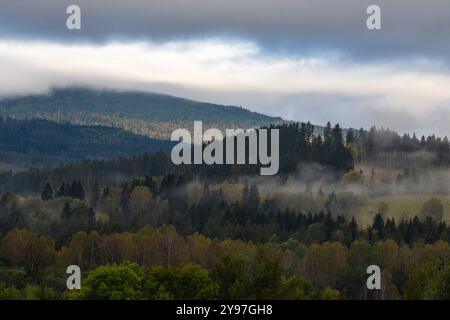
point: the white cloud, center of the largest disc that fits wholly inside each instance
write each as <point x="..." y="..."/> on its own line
<point x="238" y="72"/>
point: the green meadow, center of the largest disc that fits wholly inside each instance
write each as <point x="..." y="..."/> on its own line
<point x="400" y="206"/>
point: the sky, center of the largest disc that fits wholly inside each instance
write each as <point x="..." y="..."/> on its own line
<point x="302" y="60"/>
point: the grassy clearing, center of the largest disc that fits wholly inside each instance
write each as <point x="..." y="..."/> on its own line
<point x="400" y="206"/>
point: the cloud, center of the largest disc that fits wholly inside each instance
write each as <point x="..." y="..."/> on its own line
<point x="300" y="59"/>
<point x="404" y="95"/>
<point x="410" y="27"/>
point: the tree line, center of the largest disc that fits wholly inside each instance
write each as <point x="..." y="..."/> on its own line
<point x="162" y="264"/>
<point x="297" y="145"/>
<point x="386" y="148"/>
<point x="158" y="201"/>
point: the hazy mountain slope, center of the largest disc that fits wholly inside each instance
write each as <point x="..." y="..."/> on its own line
<point x="25" y="143"/>
<point x="154" y="115"/>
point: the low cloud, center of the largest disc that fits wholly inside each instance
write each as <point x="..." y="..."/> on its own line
<point x="404" y="95"/>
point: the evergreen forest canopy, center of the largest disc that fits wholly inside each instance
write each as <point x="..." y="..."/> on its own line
<point x="38" y="143"/>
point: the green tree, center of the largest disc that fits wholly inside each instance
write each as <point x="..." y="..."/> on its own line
<point x="112" y="282"/>
<point x="188" y="282"/>
<point x="267" y="274"/>
<point x="296" y="288"/>
<point x="419" y="279"/>
<point x="47" y="193"/>
<point x="253" y="196"/>
<point x="9" y="293"/>
<point x="439" y="287"/>
<point x="349" y="137"/>
<point x="232" y="273"/>
<point x="329" y="294"/>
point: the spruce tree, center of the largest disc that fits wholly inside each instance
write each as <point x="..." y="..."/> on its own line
<point x="62" y="192"/>
<point x="253" y="196"/>
<point x="67" y="211"/>
<point x="47" y="193"/>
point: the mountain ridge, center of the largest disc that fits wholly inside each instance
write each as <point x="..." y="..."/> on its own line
<point x="151" y="114"/>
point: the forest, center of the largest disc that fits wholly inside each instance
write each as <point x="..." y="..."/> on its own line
<point x="143" y="113"/>
<point x="40" y="143"/>
<point x="142" y="228"/>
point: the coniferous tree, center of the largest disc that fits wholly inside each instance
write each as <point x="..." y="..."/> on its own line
<point x="95" y="194"/>
<point x="378" y="225"/>
<point x="73" y="190"/>
<point x="47" y="193"/>
<point x="62" y="191"/>
<point x="253" y="196"/>
<point x="353" y="229"/>
<point x="245" y="193"/>
<point x="79" y="191"/>
<point x="67" y="211"/>
<point x="349" y="137"/>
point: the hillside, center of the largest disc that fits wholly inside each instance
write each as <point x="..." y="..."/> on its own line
<point x="332" y="155"/>
<point x="154" y="115"/>
<point x="26" y="143"/>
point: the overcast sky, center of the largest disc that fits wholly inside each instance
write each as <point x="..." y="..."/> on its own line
<point x="302" y="60"/>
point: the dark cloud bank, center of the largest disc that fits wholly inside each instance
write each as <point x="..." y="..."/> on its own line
<point x="410" y="27"/>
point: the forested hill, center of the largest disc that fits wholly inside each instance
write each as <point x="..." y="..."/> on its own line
<point x="26" y="143"/>
<point x="149" y="114"/>
<point x="298" y="145"/>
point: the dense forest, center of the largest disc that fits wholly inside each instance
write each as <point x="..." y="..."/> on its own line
<point x="38" y="143"/>
<point x="297" y="144"/>
<point x="142" y="228"/>
<point x="153" y="239"/>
